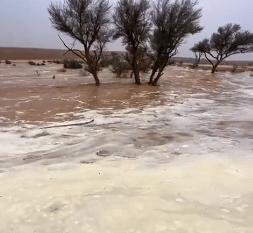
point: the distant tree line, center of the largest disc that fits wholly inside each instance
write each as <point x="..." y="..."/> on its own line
<point x="151" y="33"/>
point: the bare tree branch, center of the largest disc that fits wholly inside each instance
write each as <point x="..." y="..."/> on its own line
<point x="83" y="20"/>
<point x="73" y="50"/>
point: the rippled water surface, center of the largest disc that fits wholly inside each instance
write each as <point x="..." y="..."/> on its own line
<point x="174" y="158"/>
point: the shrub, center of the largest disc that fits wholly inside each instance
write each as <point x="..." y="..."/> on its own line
<point x="193" y="66"/>
<point x="234" y="68"/>
<point x="120" y="67"/>
<point x="180" y="63"/>
<point x="108" y="62"/>
<point x="72" y="64"/>
<point x="31" y="63"/>
<point x="114" y="54"/>
<point x="58" y="61"/>
<point x="171" y="62"/>
<point x="145" y="65"/>
<point x="7" y="62"/>
<point x="62" y="70"/>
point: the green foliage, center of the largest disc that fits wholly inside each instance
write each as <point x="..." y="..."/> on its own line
<point x="87" y="22"/>
<point x="198" y="50"/>
<point x="145" y="64"/>
<point x="227" y="41"/>
<point x="72" y="64"/>
<point x="132" y="24"/>
<point x="173" y="22"/>
<point x="119" y="67"/>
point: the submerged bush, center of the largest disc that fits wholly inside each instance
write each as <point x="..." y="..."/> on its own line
<point x="234" y="69"/>
<point x="72" y="64"/>
<point x="145" y="65"/>
<point x="120" y="67"/>
<point x="171" y="63"/>
<point x="62" y="70"/>
<point x="31" y="63"/>
<point x="108" y="62"/>
<point x="58" y="61"/>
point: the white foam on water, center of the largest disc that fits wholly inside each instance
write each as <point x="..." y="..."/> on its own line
<point x="166" y="169"/>
<point x="204" y="195"/>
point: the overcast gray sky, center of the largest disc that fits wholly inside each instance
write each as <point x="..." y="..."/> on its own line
<point x="25" y="23"/>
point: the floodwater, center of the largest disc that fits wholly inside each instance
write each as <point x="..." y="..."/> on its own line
<point x="176" y="158"/>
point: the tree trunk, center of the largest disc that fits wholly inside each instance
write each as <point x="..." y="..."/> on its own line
<point x="151" y="76"/>
<point x="214" y="68"/>
<point x="154" y="83"/>
<point x="160" y="73"/>
<point x="198" y="61"/>
<point x="136" y="71"/>
<point x="137" y="77"/>
<point x="156" y="67"/>
<point x="95" y="75"/>
<point x="93" y="69"/>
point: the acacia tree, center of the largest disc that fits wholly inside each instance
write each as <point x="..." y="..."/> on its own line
<point x="132" y="24"/>
<point x="173" y="22"/>
<point x="197" y="50"/>
<point x="86" y="21"/>
<point x="228" y="40"/>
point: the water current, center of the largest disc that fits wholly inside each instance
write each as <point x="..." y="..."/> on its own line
<point x="182" y="167"/>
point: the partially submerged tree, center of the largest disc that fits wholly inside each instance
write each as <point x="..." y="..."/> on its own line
<point x="228" y="40"/>
<point x="132" y="24"/>
<point x="173" y="22"/>
<point x="87" y="22"/>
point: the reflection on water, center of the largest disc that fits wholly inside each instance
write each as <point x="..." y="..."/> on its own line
<point x="181" y="165"/>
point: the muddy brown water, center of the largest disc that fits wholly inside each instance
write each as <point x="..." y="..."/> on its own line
<point x="25" y="96"/>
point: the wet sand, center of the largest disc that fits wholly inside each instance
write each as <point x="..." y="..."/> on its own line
<point x="173" y="158"/>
